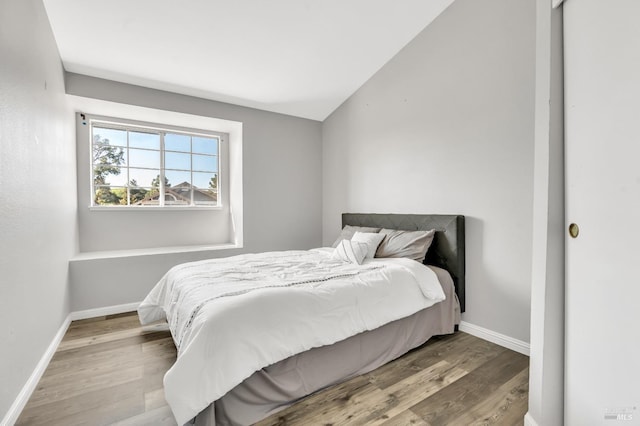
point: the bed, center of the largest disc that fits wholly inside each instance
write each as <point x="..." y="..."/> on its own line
<point x="237" y="365"/>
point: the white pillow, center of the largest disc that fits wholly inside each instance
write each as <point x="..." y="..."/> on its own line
<point x="351" y="251"/>
<point x="348" y="231"/>
<point x="372" y="240"/>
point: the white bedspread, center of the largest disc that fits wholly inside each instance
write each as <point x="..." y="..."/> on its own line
<point x="232" y="316"/>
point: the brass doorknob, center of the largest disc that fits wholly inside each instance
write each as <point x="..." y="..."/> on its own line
<point x="574" y="230"/>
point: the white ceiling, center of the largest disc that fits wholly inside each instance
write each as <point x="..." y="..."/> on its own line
<point x="297" y="57"/>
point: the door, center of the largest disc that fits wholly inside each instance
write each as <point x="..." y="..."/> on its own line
<point x="602" y="129"/>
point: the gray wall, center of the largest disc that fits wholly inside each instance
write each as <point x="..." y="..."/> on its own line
<point x="37" y="193"/>
<point x="446" y="126"/>
<point x="282" y="187"/>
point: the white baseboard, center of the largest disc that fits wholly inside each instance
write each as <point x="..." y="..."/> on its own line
<point x="23" y="397"/>
<point x="107" y="310"/>
<point x="528" y="420"/>
<point x="497" y="338"/>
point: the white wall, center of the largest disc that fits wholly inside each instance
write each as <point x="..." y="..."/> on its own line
<point x="37" y="193"/>
<point x="446" y="126"/>
<point x="282" y="191"/>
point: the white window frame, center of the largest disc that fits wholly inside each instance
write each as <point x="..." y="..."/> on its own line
<point x="161" y="130"/>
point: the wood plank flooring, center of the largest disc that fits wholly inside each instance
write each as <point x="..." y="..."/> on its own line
<point x="108" y="371"/>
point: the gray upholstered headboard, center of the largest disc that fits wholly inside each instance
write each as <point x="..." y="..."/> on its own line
<point x="447" y="250"/>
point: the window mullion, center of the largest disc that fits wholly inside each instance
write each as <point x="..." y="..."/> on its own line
<point x="128" y="181"/>
<point x="162" y="178"/>
<point x="219" y="171"/>
<point x="191" y="170"/>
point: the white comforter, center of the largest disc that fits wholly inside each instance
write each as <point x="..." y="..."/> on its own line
<point x="233" y="316"/>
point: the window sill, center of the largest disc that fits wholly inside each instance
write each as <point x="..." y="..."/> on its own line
<point x="112" y="254"/>
<point x="152" y="208"/>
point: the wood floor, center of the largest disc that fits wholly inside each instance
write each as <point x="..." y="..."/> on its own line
<point x="109" y="370"/>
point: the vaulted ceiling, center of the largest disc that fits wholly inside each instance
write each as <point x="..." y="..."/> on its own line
<point x="296" y="57"/>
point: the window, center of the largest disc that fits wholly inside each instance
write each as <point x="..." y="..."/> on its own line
<point x="147" y="166"/>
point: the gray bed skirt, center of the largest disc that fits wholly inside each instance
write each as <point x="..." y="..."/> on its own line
<point x="278" y="386"/>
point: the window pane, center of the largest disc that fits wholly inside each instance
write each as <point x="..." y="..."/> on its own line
<point x="107" y="157"/>
<point x="174" y="160"/>
<point x="173" y="142"/>
<point x="205" y="180"/>
<point x="205" y="163"/>
<point x="213" y="182"/>
<point x="177" y="196"/>
<point x="144" y="140"/>
<point x="110" y="196"/>
<point x="177" y="179"/>
<point x="144" y="177"/>
<point x="143" y="196"/>
<point x="205" y="145"/>
<point x="110" y="136"/>
<point x="109" y="175"/>
<point x="144" y="158"/>
<point x="151" y="198"/>
<point x="205" y="197"/>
